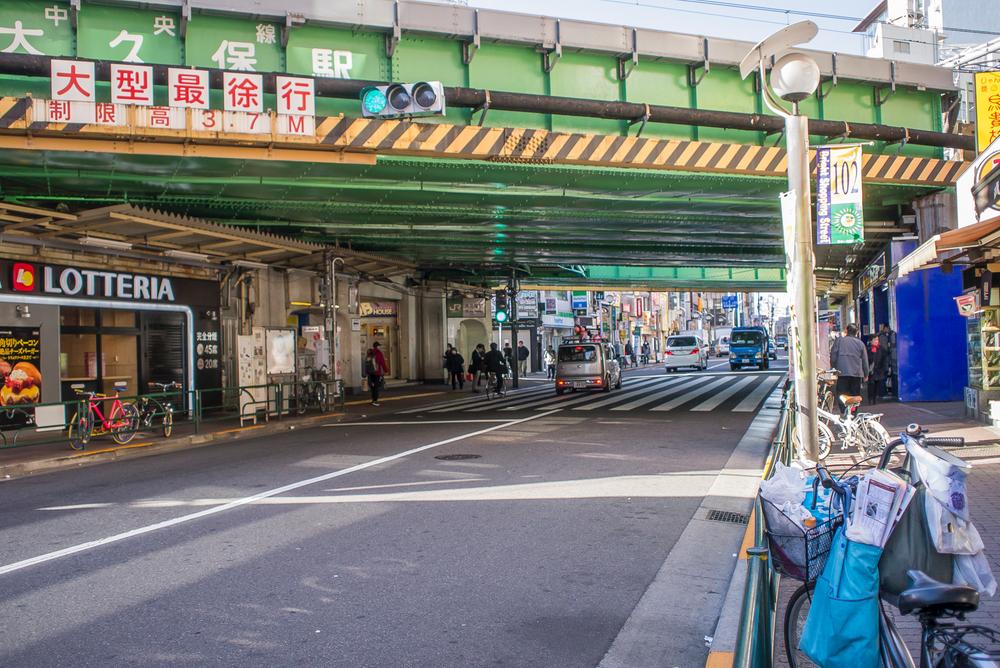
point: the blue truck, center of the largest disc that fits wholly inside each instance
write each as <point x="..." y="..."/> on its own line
<point x="748" y="347"/>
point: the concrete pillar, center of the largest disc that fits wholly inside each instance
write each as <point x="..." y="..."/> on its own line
<point x="433" y="330"/>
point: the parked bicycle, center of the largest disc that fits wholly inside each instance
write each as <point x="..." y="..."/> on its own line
<point x="122" y="420"/>
<point x="826" y="384"/>
<point x="863" y="431"/>
<point x="495" y="388"/>
<point x="153" y="408"/>
<point x="311" y="391"/>
<point x="943" y="643"/>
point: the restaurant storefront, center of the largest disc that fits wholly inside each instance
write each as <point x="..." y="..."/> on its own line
<point x="105" y="331"/>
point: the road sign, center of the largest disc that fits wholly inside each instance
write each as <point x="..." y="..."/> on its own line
<point x="730" y="301"/>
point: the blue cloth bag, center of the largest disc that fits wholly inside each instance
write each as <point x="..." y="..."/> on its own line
<point x="841" y="630"/>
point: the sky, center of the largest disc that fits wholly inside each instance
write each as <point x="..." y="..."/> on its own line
<point x="711" y="18"/>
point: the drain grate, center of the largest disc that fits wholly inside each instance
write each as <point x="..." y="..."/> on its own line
<point x="452" y="458"/>
<point x="727" y="516"/>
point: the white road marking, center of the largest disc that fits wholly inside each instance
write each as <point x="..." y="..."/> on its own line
<point x="398" y="422"/>
<point x="626" y="395"/>
<point x="472" y="398"/>
<point x="214" y="510"/>
<point x="650" y="398"/>
<point x="621" y="395"/>
<point x="688" y="396"/>
<point x="749" y="403"/>
<point x="713" y="401"/>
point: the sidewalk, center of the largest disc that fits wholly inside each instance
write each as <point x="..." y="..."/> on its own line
<point x="983" y="452"/>
<point x="51" y="450"/>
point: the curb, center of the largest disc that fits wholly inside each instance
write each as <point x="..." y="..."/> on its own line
<point x="132" y="450"/>
<point x="723" y="647"/>
<point x="699" y="568"/>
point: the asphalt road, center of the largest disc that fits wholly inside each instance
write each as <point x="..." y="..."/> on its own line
<point x="422" y="533"/>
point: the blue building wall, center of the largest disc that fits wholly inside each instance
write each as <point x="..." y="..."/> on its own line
<point x="930" y="337"/>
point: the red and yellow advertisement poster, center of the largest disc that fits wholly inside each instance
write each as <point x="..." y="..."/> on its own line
<point x="20" y="359"/>
<point x="987" y="108"/>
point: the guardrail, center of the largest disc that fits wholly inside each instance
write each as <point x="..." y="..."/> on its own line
<point x="755" y="635"/>
<point x="26" y="425"/>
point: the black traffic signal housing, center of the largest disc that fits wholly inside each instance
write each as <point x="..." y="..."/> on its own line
<point x="424" y="98"/>
<point x="503" y="307"/>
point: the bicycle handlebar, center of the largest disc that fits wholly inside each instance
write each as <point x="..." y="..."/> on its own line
<point x="916" y="433"/>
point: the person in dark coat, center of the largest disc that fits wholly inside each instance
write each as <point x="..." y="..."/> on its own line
<point x="455" y="363"/>
<point x="496" y="363"/>
<point x="878" y="369"/>
<point x="849" y="356"/>
<point x="477" y="367"/>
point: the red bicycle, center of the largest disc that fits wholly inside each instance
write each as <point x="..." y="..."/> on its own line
<point x="122" y="421"/>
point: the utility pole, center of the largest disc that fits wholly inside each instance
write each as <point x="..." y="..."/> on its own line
<point x="512" y="289"/>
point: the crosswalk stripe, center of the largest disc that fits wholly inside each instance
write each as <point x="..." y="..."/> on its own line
<point x="518" y="403"/>
<point x="650" y="398"/>
<point x="475" y="398"/>
<point x="617" y="398"/>
<point x="715" y="400"/>
<point x="749" y="403"/>
<point x="620" y="395"/>
<point x="688" y="396"/>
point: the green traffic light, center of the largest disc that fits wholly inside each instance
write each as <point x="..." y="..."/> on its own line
<point x="501" y="316"/>
<point x="373" y="100"/>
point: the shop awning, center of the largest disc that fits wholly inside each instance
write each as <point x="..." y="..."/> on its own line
<point x="169" y="237"/>
<point x="953" y="245"/>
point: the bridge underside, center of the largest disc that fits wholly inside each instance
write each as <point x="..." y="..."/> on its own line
<point x="468" y="220"/>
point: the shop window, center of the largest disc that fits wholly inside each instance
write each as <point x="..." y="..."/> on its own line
<point x="114" y="318"/>
<point x="120" y="353"/>
<point x="71" y="316"/>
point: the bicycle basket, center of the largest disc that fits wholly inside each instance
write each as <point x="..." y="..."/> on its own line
<point x="800" y="553"/>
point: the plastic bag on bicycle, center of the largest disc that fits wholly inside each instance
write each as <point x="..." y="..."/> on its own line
<point x="841" y="630"/>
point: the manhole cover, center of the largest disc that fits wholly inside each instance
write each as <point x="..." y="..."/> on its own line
<point x="451" y="458"/>
<point x="726" y="516"/>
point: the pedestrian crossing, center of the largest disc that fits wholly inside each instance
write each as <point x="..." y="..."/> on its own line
<point x="698" y="393"/>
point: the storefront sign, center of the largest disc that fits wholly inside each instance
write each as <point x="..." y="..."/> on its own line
<point x="987" y="108"/>
<point x="580" y="300"/>
<point x="98" y="284"/>
<point x="527" y="305"/>
<point x="986" y="192"/>
<point x="386" y="309"/>
<point x="986" y="288"/>
<point x="968" y="304"/>
<point x="839" y="214"/>
<point x="20" y="361"/>
<point x="872" y="274"/>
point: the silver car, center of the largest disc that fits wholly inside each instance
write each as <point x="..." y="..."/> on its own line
<point x="587" y="366"/>
<point x="685" y="351"/>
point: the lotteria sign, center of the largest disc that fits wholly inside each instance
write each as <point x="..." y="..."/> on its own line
<point x="78" y="282"/>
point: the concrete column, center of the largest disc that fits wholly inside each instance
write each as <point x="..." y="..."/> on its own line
<point x="433" y="330"/>
<point x="351" y="355"/>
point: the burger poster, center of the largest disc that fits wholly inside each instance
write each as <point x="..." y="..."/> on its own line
<point x="20" y="358"/>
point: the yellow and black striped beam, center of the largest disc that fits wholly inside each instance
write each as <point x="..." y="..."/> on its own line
<point x="360" y="137"/>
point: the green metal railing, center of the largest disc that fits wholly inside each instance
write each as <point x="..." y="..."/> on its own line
<point x="755" y="635"/>
<point x="45" y="423"/>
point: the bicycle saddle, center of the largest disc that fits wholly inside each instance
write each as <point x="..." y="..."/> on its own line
<point x="850" y="400"/>
<point x="926" y="593"/>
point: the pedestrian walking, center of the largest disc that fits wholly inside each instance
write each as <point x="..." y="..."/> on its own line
<point x="629" y="354"/>
<point x="849" y="356"/>
<point x="477" y="367"/>
<point x="887" y="339"/>
<point x="371" y="371"/>
<point x="878" y="369"/>
<point x="645" y="352"/>
<point x="550" y="362"/>
<point x="522" y="359"/>
<point x="455" y="364"/>
<point x="508" y="354"/>
<point x="496" y="363"/>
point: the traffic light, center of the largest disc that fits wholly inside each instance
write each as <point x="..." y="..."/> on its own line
<point x="425" y="98"/>
<point x="503" y="309"/>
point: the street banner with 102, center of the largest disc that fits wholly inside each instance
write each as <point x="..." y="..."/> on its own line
<point x="839" y="213"/>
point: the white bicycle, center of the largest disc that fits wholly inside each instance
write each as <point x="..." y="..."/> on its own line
<point x="863" y="431"/>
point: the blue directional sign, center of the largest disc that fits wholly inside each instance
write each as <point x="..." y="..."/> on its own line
<point x="730" y="301"/>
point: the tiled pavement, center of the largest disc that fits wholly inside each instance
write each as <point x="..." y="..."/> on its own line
<point x="983" y="452"/>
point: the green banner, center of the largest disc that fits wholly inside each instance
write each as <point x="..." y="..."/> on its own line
<point x="233" y="44"/>
<point x="36" y="28"/>
<point x="338" y="54"/>
<point x="129" y="35"/>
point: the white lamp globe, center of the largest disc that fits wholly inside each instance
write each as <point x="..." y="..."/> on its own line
<point x="795" y="77"/>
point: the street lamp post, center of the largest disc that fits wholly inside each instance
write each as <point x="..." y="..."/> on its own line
<point x="794" y="77"/>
